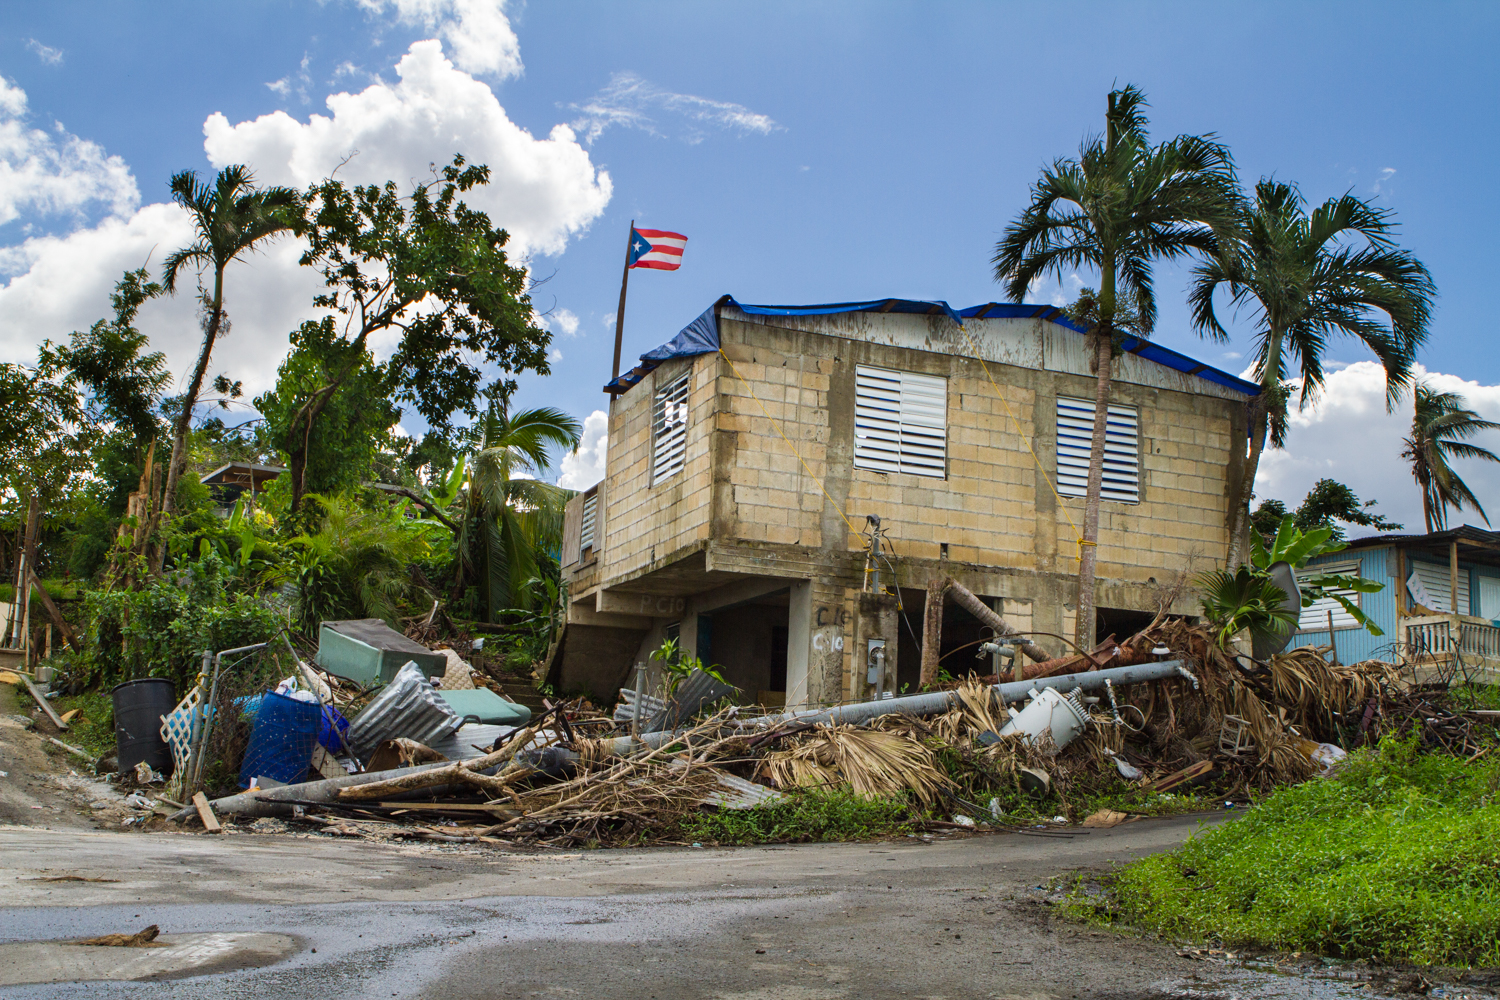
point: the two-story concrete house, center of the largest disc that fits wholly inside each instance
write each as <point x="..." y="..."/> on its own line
<point x="745" y="455"/>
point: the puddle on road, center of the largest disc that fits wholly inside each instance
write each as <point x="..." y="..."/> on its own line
<point x="1269" y="984"/>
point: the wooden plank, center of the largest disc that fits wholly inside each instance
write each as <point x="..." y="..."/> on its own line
<point x="46" y="705"/>
<point x="206" y="813"/>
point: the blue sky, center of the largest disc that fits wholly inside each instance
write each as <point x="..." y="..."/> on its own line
<point x="810" y="152"/>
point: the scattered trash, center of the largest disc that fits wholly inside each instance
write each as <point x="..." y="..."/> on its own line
<point x="1105" y="818"/>
<point x="145" y="775"/>
<point x="963" y="820"/>
<point x="144" y="938"/>
<point x="136" y="800"/>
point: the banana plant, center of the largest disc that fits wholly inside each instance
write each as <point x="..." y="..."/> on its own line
<point x="1297" y="548"/>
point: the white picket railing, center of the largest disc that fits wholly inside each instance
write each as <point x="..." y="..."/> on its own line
<point x="1440" y="636"/>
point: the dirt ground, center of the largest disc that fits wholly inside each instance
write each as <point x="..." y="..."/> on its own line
<point x="44" y="786"/>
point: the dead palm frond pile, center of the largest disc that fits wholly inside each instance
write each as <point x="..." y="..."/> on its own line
<point x="870" y="761"/>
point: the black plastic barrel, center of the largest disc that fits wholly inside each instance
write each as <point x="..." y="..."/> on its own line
<point x="139" y="707"/>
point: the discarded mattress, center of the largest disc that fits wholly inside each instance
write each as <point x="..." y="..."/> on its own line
<point x="409" y="706"/>
<point x="486" y="706"/>
<point x="368" y="651"/>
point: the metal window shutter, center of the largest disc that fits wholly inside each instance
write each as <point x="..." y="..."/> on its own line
<point x="669" y="429"/>
<point x="1122" y="461"/>
<point x="1489" y="598"/>
<point x="1434" y="578"/>
<point x="900" y="422"/>
<point x="1315" y="616"/>
<point x="588" y="523"/>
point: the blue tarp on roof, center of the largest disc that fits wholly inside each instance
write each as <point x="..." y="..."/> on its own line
<point x="701" y="336"/>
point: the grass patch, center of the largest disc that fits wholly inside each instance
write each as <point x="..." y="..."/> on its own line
<point x="812" y="815"/>
<point x="93" y="728"/>
<point x="1396" y="859"/>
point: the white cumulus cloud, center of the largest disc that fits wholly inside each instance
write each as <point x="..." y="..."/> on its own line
<point x="566" y="322"/>
<point x="477" y="31"/>
<point x="585" y="467"/>
<point x="1348" y="435"/>
<point x="631" y="102"/>
<point x="541" y="190"/>
<point x="52" y="172"/>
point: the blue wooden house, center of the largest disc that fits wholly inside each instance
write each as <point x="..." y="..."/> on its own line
<point x="1440" y="607"/>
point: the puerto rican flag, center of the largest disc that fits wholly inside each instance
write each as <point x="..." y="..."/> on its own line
<point x="656" y="248"/>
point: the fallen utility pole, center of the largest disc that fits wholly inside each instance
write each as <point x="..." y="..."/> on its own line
<point x="932" y="703"/>
<point x="935" y="702"/>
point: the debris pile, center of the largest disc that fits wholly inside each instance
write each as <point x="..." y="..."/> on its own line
<point x="1103" y="736"/>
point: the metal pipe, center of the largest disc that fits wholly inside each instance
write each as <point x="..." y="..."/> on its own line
<point x="932" y="703"/>
<point x="935" y="702"/>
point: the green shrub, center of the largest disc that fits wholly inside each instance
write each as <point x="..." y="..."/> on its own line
<point x="1397" y="859"/>
<point x="802" y="816"/>
<point x="163" y="629"/>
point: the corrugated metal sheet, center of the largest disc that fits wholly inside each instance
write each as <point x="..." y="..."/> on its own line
<point x="697" y="690"/>
<point x="408" y="706"/>
<point x="625" y="710"/>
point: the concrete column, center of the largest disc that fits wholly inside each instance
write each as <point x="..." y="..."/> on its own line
<point x="877" y="619"/>
<point x="798" y="643"/>
<point x="816" y="625"/>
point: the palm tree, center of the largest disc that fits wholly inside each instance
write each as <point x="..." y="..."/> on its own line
<point x="229" y="219"/>
<point x="1438" y="427"/>
<point x="1121" y="205"/>
<point x="510" y="518"/>
<point x="1309" y="277"/>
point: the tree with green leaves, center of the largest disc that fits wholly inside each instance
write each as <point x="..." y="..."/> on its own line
<point x="1309" y="276"/>
<point x="335" y="451"/>
<point x="511" y="521"/>
<point x="1326" y="504"/>
<point x="1440" y="426"/>
<point x="123" y="383"/>
<point x="1116" y="209"/>
<point x="430" y="269"/>
<point x="231" y="217"/>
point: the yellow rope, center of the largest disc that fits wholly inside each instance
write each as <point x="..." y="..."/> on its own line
<point x="1027" y="442"/>
<point x="777" y="427"/>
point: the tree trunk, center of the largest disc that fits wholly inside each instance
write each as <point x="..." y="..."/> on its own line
<point x="178" y="463"/>
<point x="932" y="631"/>
<point x="1088" y="550"/>
<point x="1258" y="421"/>
<point x="966" y="599"/>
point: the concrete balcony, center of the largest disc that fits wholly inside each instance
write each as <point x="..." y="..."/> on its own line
<point x="1453" y="647"/>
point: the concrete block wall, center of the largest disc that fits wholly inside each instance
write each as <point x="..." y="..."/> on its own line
<point x="647" y="522"/>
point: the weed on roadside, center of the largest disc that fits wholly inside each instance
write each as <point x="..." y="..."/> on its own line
<point x="800" y="817"/>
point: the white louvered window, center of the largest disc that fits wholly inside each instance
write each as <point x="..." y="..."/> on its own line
<point x="669" y="415"/>
<point x="1314" y="617"/>
<point x="900" y="422"/>
<point x="589" y="522"/>
<point x="1436" y="586"/>
<point x="1122" y="456"/>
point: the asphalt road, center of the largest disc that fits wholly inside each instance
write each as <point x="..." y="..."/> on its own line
<point x="954" y="918"/>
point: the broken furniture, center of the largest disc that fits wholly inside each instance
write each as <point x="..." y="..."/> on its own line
<point x="367" y="651"/>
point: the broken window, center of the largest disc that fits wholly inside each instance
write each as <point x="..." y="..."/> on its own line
<point x="1122" y="457"/>
<point x="900" y="422"/>
<point x="669" y="415"/>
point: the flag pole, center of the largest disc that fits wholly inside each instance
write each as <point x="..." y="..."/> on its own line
<point x="620" y="316"/>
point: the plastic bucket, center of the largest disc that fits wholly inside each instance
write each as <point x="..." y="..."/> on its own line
<point x="281" y="744"/>
<point x="139" y="707"/>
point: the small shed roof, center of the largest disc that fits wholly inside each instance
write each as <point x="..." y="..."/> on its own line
<point x="1475" y="545"/>
<point x="242" y="474"/>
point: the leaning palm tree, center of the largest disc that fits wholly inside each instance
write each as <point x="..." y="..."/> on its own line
<point x="1439" y="425"/>
<point x="1121" y="205"/>
<point x="230" y="218"/>
<point x="510" y="518"/>
<point x="1309" y="276"/>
